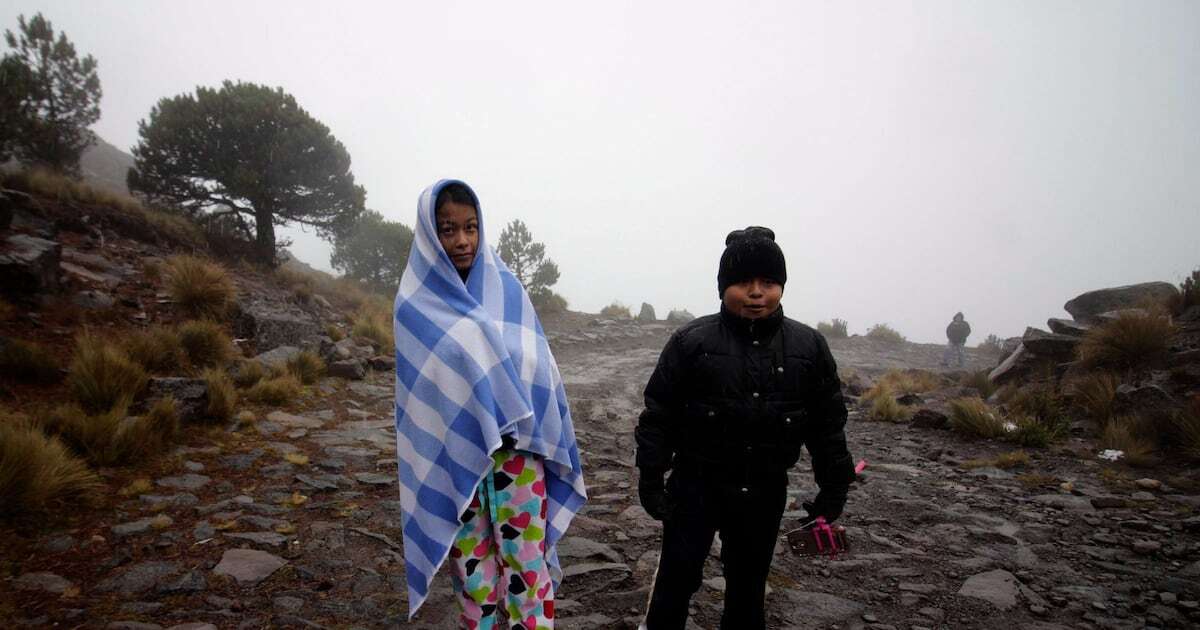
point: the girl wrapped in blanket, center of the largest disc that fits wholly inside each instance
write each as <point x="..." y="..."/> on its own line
<point x="489" y="469"/>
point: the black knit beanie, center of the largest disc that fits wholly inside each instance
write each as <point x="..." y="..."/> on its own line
<point x="750" y="253"/>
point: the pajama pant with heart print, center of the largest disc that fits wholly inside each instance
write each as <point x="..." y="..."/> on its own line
<point x="498" y="560"/>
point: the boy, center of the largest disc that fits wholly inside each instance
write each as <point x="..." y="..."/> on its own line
<point x="733" y="398"/>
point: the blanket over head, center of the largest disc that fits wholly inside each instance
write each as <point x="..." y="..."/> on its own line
<point x="472" y="364"/>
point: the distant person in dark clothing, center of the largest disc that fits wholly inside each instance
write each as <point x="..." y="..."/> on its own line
<point x="733" y="399"/>
<point x="957" y="333"/>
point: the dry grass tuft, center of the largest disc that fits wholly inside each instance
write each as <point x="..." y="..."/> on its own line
<point x="884" y="408"/>
<point x="1003" y="461"/>
<point x="205" y="343"/>
<point x="1037" y="401"/>
<point x="1131" y="435"/>
<point x="374" y="323"/>
<point x="299" y="459"/>
<point x="157" y="350"/>
<point x="836" y="329"/>
<point x="275" y="391"/>
<point x="1132" y="341"/>
<point x="249" y="373"/>
<point x="102" y="377"/>
<point x="618" y="310"/>
<point x="973" y="417"/>
<point x="306" y="366"/>
<point x="1184" y="429"/>
<point x="38" y="473"/>
<point x="137" y="487"/>
<point x="980" y="382"/>
<point x="28" y="362"/>
<point x="1035" y="432"/>
<point x="885" y="333"/>
<point x="899" y="382"/>
<point x="1095" y="395"/>
<point x="111" y="438"/>
<point x="201" y="288"/>
<point x="1031" y="480"/>
<point x="222" y="396"/>
<point x="334" y="333"/>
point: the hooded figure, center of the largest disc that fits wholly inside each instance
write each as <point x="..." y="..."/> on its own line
<point x="483" y="432"/>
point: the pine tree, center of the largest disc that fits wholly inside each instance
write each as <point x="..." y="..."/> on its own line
<point x="50" y="97"/>
<point x="374" y="251"/>
<point x="527" y="260"/>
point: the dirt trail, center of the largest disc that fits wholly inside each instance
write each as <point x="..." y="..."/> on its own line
<point x="934" y="544"/>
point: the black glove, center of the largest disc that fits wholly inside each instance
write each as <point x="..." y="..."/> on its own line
<point x="653" y="495"/>
<point x="829" y="503"/>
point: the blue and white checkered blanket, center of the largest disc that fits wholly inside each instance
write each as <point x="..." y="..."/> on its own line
<point x="472" y="364"/>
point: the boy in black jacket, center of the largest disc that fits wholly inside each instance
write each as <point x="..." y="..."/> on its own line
<point x="734" y="397"/>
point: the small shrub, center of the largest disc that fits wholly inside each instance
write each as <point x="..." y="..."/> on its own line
<point x="992" y="345"/>
<point x="200" y="287"/>
<point x="1185" y="429"/>
<point x="1037" y="401"/>
<point x="102" y="377"/>
<point x="1035" y="432"/>
<point x="973" y="417"/>
<point x="275" y="391"/>
<point x="205" y="343"/>
<point x="157" y="350"/>
<point x="248" y="373"/>
<point x="111" y="438"/>
<point x="1189" y="294"/>
<point x="548" y="302"/>
<point x="38" y="473"/>
<point x="28" y="362"/>
<point x="1132" y="341"/>
<point x="306" y="366"/>
<point x="884" y="408"/>
<point x="222" y="397"/>
<point x="618" y="310"/>
<point x="334" y="333"/>
<point x="1095" y="396"/>
<point x="885" y="333"/>
<point x="836" y="329"/>
<point x="980" y="382"/>
<point x="1130" y="435"/>
<point x="909" y="381"/>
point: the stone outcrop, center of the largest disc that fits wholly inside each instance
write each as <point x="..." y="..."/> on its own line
<point x="647" y="313"/>
<point x="1086" y="307"/>
<point x="1067" y="327"/>
<point x="190" y="394"/>
<point x="679" y="316"/>
<point x="271" y="324"/>
<point x="1050" y="345"/>
<point x="29" y="265"/>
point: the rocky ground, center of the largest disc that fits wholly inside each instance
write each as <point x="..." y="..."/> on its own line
<point x="294" y="522"/>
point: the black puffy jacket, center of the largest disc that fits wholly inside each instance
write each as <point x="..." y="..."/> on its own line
<point x="740" y="397"/>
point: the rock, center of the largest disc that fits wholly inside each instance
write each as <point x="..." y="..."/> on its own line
<point x="909" y="400"/>
<point x="190" y="582"/>
<point x="646" y="315"/>
<point x="583" y="568"/>
<point x="349" y="349"/>
<point x="681" y="316"/>
<point x="134" y="527"/>
<point x="1143" y="398"/>
<point x="43" y="581"/>
<point x="1147" y="547"/>
<point x="288" y="604"/>
<point x="293" y="421"/>
<point x="195" y="625"/>
<point x="139" y="577"/>
<point x="349" y="369"/>
<point x="383" y="363"/>
<point x="190" y="481"/>
<point x="1087" y="306"/>
<point x="1108" y="503"/>
<point x="926" y="418"/>
<point x="248" y="566"/>
<point x="29" y="265"/>
<point x="272" y="325"/>
<point x="806" y="608"/>
<point x="1148" y="484"/>
<point x="190" y="394"/>
<point x="266" y="539"/>
<point x="998" y="587"/>
<point x="1064" y="502"/>
<point x="277" y="356"/>
<point x="1067" y="327"/>
<point x="1142" y="497"/>
<point x="6" y="211"/>
<point x="579" y="548"/>
<point x="92" y="299"/>
<point x="1050" y="345"/>
<point x="203" y="531"/>
<point x="1016" y="365"/>
<point x="132" y="625"/>
<point x="375" y="479"/>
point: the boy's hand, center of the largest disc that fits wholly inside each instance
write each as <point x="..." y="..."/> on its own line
<point x="653" y="496"/>
<point x="829" y="503"/>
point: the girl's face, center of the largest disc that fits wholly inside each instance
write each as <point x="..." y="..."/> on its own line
<point x="458" y="232"/>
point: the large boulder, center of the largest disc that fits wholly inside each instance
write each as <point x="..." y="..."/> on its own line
<point x="1067" y="327"/>
<point x="1016" y="365"/>
<point x="679" y="316"/>
<point x="1050" y="345"/>
<point x="271" y="325"/>
<point x="277" y="357"/>
<point x="647" y="313"/>
<point x="190" y="394"/>
<point x="1088" y="306"/>
<point x="29" y="265"/>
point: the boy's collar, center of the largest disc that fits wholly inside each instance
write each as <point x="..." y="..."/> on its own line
<point x="762" y="328"/>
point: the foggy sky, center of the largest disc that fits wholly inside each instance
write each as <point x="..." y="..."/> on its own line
<point x="996" y="158"/>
